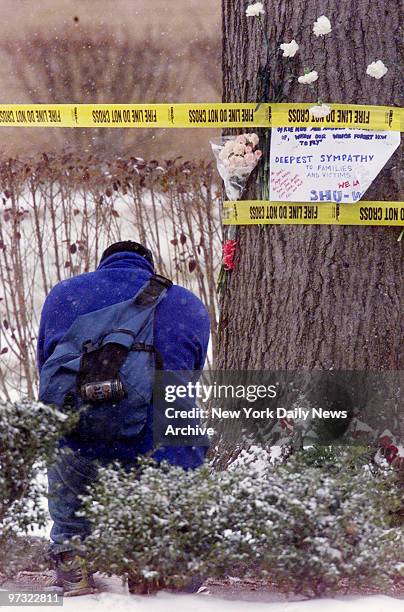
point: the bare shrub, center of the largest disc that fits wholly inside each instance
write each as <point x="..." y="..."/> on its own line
<point x="58" y="214"/>
<point x="89" y="65"/>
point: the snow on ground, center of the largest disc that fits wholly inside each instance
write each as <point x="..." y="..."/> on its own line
<point x="165" y="602"/>
<point x="115" y="597"/>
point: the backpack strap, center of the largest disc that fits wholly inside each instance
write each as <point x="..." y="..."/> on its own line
<point x="149" y="295"/>
<point x="152" y="291"/>
<point x="100" y="363"/>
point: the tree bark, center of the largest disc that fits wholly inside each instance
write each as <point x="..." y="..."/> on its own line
<point x="313" y="297"/>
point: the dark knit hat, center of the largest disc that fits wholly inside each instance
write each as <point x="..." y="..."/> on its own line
<point x="128" y="245"/>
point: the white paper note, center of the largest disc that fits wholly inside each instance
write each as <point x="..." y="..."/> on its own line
<point x="326" y="164"/>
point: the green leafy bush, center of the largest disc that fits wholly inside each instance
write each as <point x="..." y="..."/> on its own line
<point x="161" y="523"/>
<point x="334" y="523"/>
<point x="28" y="438"/>
<point x="308" y="524"/>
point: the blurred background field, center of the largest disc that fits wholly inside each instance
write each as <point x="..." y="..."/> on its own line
<point x="109" y="51"/>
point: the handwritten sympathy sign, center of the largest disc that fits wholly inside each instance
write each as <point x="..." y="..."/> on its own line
<point x="326" y="164"/>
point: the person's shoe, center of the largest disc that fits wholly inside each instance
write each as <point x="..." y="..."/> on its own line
<point x="72" y="575"/>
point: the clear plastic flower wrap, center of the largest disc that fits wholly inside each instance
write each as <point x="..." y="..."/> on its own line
<point x="236" y="158"/>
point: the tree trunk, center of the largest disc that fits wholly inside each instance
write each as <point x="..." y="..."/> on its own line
<point x="313" y="297"/>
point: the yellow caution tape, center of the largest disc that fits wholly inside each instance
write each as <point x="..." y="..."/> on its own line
<point x="371" y="213"/>
<point x="219" y="115"/>
<point x="263" y="212"/>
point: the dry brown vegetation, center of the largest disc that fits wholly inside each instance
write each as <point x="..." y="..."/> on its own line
<point x="60" y="212"/>
<point x="110" y="52"/>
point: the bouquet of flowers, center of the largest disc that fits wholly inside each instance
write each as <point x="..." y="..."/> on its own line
<point x="236" y="158"/>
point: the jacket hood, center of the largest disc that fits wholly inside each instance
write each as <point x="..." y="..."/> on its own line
<point x="126" y="259"/>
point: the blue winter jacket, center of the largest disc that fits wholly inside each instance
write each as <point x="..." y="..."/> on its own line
<point x="181" y="335"/>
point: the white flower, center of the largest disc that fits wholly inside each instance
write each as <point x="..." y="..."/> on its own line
<point x="236" y="161"/>
<point x="241" y="139"/>
<point x="249" y="159"/>
<point x="253" y="138"/>
<point x="255" y="10"/>
<point x="322" y="26"/>
<point x="320" y="111"/>
<point x="308" y="78"/>
<point x="376" y="69"/>
<point x="228" y="147"/>
<point x="239" y="149"/>
<point x="289" y="49"/>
